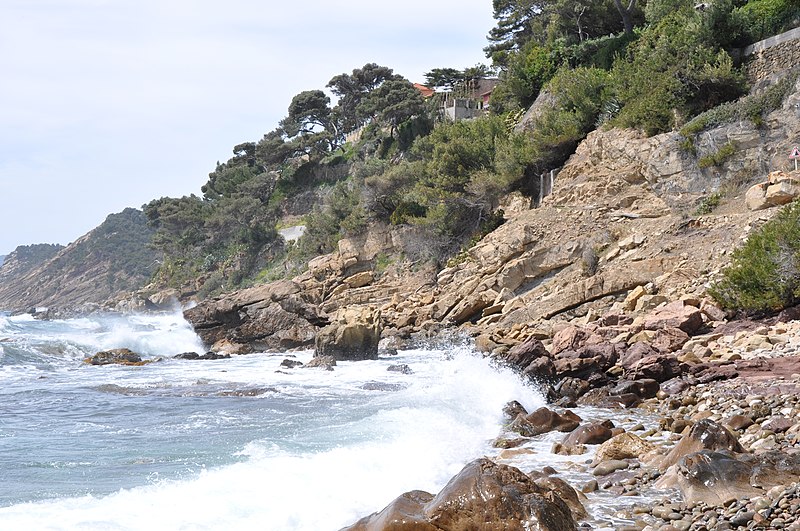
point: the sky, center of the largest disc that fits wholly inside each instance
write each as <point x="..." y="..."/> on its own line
<point x="108" y="104"/>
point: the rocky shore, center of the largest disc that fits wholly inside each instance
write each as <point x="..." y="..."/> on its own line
<point x="652" y="429"/>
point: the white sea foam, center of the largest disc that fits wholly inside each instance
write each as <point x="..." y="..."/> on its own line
<point x="417" y="437"/>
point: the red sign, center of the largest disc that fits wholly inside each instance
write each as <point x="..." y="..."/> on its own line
<point x="795" y="153"/>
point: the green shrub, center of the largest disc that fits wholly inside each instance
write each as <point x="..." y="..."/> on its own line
<point x="718" y="157"/>
<point x="759" y="19"/>
<point x="764" y="274"/>
<point x="709" y="204"/>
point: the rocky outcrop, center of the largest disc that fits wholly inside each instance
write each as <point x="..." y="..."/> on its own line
<point x="271" y="316"/>
<point x="353" y="334"/>
<point x="484" y="495"/>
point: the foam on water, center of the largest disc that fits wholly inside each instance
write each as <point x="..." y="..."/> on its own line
<point x="326" y="447"/>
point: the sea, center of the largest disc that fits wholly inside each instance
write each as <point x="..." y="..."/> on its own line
<point x="241" y="443"/>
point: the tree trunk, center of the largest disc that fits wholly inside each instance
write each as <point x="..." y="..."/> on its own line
<point x="626" y="13"/>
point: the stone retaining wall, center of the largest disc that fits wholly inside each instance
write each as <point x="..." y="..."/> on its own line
<point x="772" y="55"/>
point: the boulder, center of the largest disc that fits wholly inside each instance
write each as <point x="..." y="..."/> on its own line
<point x="669" y="339"/>
<point x="117" y="356"/>
<point x="715" y="478"/>
<point x="353" y="335"/>
<point x="544" y="420"/>
<point x="485" y="496"/>
<point x="531" y="357"/>
<point x="323" y="362"/>
<point x="644" y="388"/>
<point x="623" y="446"/>
<point x="592" y="433"/>
<point x="703" y="435"/>
<point x="675" y="315"/>
<point x="756" y="197"/>
<point x="660" y="367"/>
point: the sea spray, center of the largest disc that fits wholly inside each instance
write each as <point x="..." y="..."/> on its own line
<point x="241" y="443"/>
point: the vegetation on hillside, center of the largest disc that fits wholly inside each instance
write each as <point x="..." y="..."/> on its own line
<point x="764" y="274"/>
<point x="383" y="152"/>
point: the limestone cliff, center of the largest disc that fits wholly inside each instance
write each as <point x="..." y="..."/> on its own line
<point x="111" y="258"/>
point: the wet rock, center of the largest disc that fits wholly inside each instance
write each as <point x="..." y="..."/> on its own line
<point x="405" y="512"/>
<point x="403" y="369"/>
<point x="623" y="446"/>
<point x="542" y="421"/>
<point x="322" y="362"/>
<point x="704" y="435"/>
<point x="609" y="466"/>
<point x="206" y="356"/>
<point x="117" y="356"/>
<point x="484" y="496"/>
<point x="353" y="335"/>
<point x="644" y="388"/>
<point x="513" y="409"/>
<point x="602" y="398"/>
<point x="530" y="357"/>
<point x="572" y="388"/>
<point x="592" y="433"/>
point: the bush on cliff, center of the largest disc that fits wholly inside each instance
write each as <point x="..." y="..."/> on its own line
<point x="764" y="274"/>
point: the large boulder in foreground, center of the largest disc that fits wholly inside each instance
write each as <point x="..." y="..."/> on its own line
<point x="353" y="335"/>
<point x="485" y="496"/>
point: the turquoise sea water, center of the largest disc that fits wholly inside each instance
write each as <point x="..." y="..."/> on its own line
<point x="240" y="443"/>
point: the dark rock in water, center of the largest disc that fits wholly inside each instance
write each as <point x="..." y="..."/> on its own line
<point x="544" y="420"/>
<point x="324" y="362"/>
<point x="572" y="388"/>
<point x="564" y="490"/>
<point x="118" y="356"/>
<point x="483" y="496"/>
<point x="512" y="409"/>
<point x="704" y="435"/>
<point x="382" y="386"/>
<point x="274" y="315"/>
<point x="291" y="364"/>
<point x="405" y="369"/>
<point x="592" y="433"/>
<point x="257" y="391"/>
<point x="353" y="335"/>
<point x="206" y="356"/>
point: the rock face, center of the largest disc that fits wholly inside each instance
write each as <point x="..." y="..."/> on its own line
<point x="271" y="316"/>
<point x="484" y="496"/>
<point x="353" y="335"/>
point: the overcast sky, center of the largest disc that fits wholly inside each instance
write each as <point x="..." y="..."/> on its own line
<point x="111" y="103"/>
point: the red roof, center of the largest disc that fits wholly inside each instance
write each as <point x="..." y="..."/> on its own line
<point x="425" y="91"/>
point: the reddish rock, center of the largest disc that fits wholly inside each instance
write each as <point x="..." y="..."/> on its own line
<point x="675" y="315"/>
<point x="669" y="339"/>
<point x="544" y="420"/>
<point x="644" y="388"/>
<point x="569" y="338"/>
<point x="592" y="433"/>
<point x="739" y="422"/>
<point x="659" y="367"/>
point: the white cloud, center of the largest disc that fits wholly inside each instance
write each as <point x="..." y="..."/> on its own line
<point x="110" y="103"/>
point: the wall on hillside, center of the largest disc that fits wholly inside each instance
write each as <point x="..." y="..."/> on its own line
<point x="772" y="55"/>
